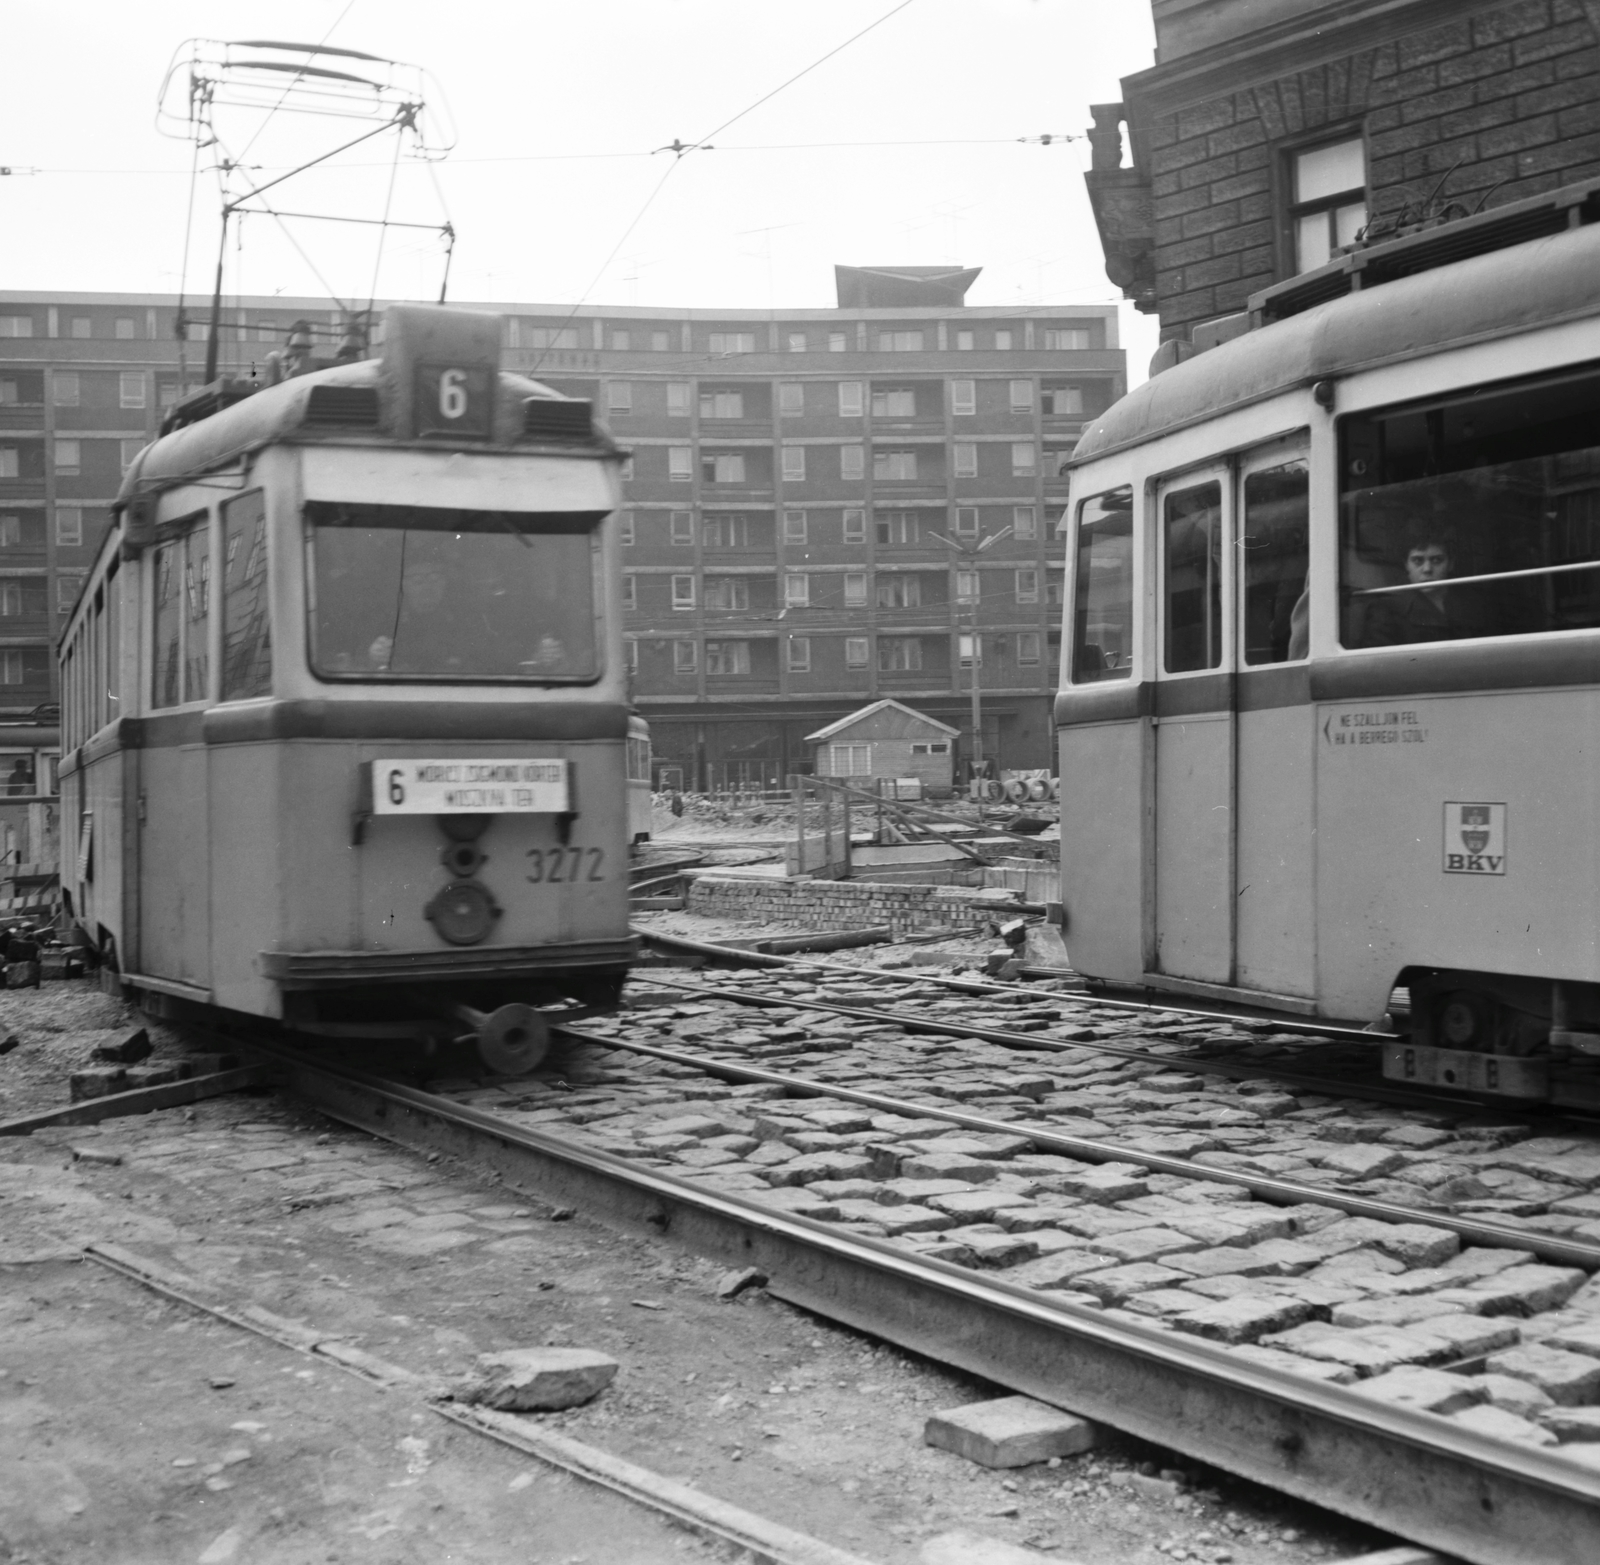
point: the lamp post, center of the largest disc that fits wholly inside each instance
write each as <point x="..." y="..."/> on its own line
<point x="971" y="551"/>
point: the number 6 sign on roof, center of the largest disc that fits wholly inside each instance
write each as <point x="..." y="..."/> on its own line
<point x="455" y="400"/>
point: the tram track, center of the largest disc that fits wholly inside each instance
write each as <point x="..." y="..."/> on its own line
<point x="1422" y="1477"/>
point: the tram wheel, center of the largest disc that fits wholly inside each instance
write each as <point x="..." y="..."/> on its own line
<point x="513" y="1040"/>
<point x="1466" y="1020"/>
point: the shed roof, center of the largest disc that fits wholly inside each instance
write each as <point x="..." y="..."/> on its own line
<point x="867" y="711"/>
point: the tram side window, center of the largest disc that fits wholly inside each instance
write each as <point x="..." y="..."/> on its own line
<point x="181" y="664"/>
<point x="1273" y="561"/>
<point x="1102" y="610"/>
<point x="1191" y="576"/>
<point x="168" y="626"/>
<point x="246" y="627"/>
<point x="197" y="614"/>
<point x="1473" y="515"/>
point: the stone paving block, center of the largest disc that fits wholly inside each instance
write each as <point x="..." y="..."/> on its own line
<point x="1369" y="1350"/>
<point x="1145" y="1244"/>
<point x="921" y="1190"/>
<point x="1321" y="1370"/>
<point x="1052" y="1241"/>
<point x="667" y="1145"/>
<point x="811" y="1166"/>
<point x="1481" y="1261"/>
<point x="902" y="1219"/>
<point x="1224" y="1261"/>
<point x="1572" y="1424"/>
<point x="1568" y="1378"/>
<point x="1031" y="1219"/>
<point x="1513" y="1395"/>
<point x="703" y="1157"/>
<point x="846" y="1189"/>
<point x="1105" y="1184"/>
<point x="1161" y="1303"/>
<point x="977" y="1205"/>
<point x="771" y="1153"/>
<point x="1417" y="1138"/>
<point x="1291" y="1257"/>
<point x="1056" y="1271"/>
<point x="1095" y="1222"/>
<point x="839" y="1120"/>
<point x="1581" y="1338"/>
<point x="1009" y="1432"/>
<point x="1421" y="1279"/>
<point x="1359" y="1161"/>
<point x="1427" y="1390"/>
<point x="697" y="1125"/>
<point x="996" y="1250"/>
<point x="1242" y="1319"/>
<point x="1499" y="1424"/>
<point x="1170" y="1144"/>
<point x="1229" y="1285"/>
<point x="525" y="1380"/>
<point x="1118" y="1283"/>
<point x="99" y="1082"/>
<point x="947" y="1165"/>
<point x="1520" y="1290"/>
<point x="1418" y="1244"/>
<point x="1390" y="1311"/>
<point x="1339" y="1237"/>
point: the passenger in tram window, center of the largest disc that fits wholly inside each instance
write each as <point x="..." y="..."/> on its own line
<point x="1432" y="613"/>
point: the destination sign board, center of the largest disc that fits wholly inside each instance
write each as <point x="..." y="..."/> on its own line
<point x="480" y="786"/>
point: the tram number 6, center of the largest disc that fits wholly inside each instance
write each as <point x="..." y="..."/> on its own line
<point x="397" y="788"/>
<point x="546" y="865"/>
<point x="452" y="394"/>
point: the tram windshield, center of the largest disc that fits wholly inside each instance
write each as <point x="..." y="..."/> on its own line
<point x="1474" y="515"/>
<point x="1102" y="609"/>
<point x="413" y="592"/>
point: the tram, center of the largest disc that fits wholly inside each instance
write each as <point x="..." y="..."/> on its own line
<point x="640" y="799"/>
<point x="345" y="720"/>
<point x="1330" y="693"/>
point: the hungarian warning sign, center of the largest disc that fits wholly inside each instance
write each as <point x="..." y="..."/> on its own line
<point x="1474" y="839"/>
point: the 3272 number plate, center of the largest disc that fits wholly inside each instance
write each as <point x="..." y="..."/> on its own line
<point x="476" y="787"/>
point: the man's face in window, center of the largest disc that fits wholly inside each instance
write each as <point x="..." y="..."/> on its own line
<point x="1428" y="562"/>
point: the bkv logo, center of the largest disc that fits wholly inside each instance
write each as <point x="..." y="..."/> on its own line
<point x="1474" y="839"/>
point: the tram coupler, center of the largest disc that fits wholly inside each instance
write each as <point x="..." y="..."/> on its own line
<point x="511" y="1041"/>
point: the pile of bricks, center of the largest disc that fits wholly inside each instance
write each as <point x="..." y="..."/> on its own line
<point x="845" y="904"/>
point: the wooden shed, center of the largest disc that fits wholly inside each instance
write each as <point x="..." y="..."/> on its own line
<point x="886" y="739"/>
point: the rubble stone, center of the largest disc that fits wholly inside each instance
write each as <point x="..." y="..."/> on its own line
<point x="527" y="1380"/>
<point x="99" y="1082"/>
<point x="1009" y="1432"/>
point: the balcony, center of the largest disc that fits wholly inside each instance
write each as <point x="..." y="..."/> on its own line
<point x="21" y="415"/>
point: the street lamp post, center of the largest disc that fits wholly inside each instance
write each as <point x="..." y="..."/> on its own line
<point x="972" y="551"/>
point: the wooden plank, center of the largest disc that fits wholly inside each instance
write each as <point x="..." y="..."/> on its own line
<point x="170" y="1095"/>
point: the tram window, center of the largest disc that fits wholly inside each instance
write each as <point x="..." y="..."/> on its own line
<point x="197" y="615"/>
<point x="1102" y="614"/>
<point x="246" y="627"/>
<point x="1273" y="562"/>
<point x="1191" y="575"/>
<point x="166" y="689"/>
<point x="1476" y="515"/>
<point x="414" y="592"/>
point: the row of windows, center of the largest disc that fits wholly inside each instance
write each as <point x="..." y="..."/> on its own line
<point x="25" y="529"/>
<point x="886" y="402"/>
<point x="67" y="456"/>
<point x="522" y="333"/>
<point x="66" y="389"/>
<point x="888" y="466"/>
<point x="732" y="530"/>
<point x="124" y="328"/>
<point x="895" y="654"/>
<point x="903" y="591"/>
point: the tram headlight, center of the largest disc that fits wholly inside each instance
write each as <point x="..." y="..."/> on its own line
<point x="463" y="913"/>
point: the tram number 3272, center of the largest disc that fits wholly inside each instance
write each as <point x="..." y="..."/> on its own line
<point x="556" y="865"/>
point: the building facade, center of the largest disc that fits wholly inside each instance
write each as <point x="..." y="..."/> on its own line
<point x="1272" y="135"/>
<point x="823" y="506"/>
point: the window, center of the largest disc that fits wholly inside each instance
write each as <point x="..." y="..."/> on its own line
<point x="182" y="614"/>
<point x="1329" y="186"/>
<point x="683" y="527"/>
<point x="630" y="655"/>
<point x="791" y="398"/>
<point x="130" y="450"/>
<point x="1064" y="401"/>
<point x="16" y="325"/>
<point x="619" y="396"/>
<point x="1273" y="561"/>
<point x="965" y="646"/>
<point x="8" y="461"/>
<point x="82" y="326"/>
<point x="899" y="592"/>
<point x="855" y="651"/>
<point x="855" y="526"/>
<point x="65" y="389"/>
<point x="1022" y="396"/>
<point x="69" y="458"/>
<point x="1054" y="585"/>
<point x="1065" y="339"/>
<point x="727" y="592"/>
<point x="630" y="591"/>
<point x="797" y="342"/>
<point x="26" y="594"/>
<point x="680" y="464"/>
<point x="967" y="588"/>
<point x="678" y="398"/>
<point x="19" y="531"/>
<point x="732" y="342"/>
<point x="794" y="526"/>
<point x="852" y="463"/>
<point x="895" y="466"/>
<point x="930" y="749"/>
<point x="730" y="531"/>
<point x="898" y="402"/>
<point x="966" y="521"/>
<point x="69" y="526"/>
<point x="1024" y="523"/>
<point x="837" y="341"/>
<point x="722" y="467"/>
<point x="794" y="464"/>
<point x="68" y="585"/>
<point x="8" y="393"/>
<point x="246" y="610"/>
<point x="797" y="592"/>
<point x="1027" y="586"/>
<point x="130" y="388"/>
<point x="1002" y="341"/>
<point x="966" y="459"/>
<point x="1027" y="648"/>
<point x="797" y="654"/>
<point x="660" y="342"/>
<point x="1102" y="610"/>
<point x="899" y="654"/>
<point x="684" y="660"/>
<point x="1024" y="459"/>
<point x="855" y="589"/>
<point x="1057" y="461"/>
<point x="727" y="657"/>
<point x="963" y="397"/>
<point x="964" y="342"/>
<point x="849" y="399"/>
<point x="850" y="760"/>
<point x="683" y="592"/>
<point x="721" y="404"/>
<point x="12" y="671"/>
<point x="625" y="529"/>
<point x="1191" y="577"/>
<point x="897" y="527"/>
<point x="899" y="342"/>
<point x="531" y="336"/>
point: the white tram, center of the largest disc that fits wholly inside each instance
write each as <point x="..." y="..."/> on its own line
<point x="344" y="706"/>
<point x="1330" y="699"/>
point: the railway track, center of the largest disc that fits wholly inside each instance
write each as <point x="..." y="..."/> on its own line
<point x="945" y="1290"/>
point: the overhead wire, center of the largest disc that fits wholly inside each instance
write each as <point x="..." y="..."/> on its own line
<point x="255" y="135"/>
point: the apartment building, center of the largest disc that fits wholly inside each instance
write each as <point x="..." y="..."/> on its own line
<point x="824" y="507"/>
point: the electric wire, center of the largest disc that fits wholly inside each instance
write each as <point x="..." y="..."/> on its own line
<point x="293" y="80"/>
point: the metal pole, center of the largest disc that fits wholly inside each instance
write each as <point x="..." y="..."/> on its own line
<point x="214" y="331"/>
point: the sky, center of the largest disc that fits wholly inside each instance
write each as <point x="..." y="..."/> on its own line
<point x="916" y="143"/>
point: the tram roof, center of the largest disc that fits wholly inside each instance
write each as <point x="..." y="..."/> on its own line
<point x="1541" y="282"/>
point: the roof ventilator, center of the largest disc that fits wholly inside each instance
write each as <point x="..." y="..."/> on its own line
<point x="567" y="420"/>
<point x="345" y="407"/>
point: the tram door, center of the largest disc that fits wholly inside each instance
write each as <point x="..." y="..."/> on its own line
<point x="1233" y="742"/>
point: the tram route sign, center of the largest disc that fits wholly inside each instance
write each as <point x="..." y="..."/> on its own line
<point x="455" y="400"/>
<point x="482" y="785"/>
<point x="1474" y="838"/>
